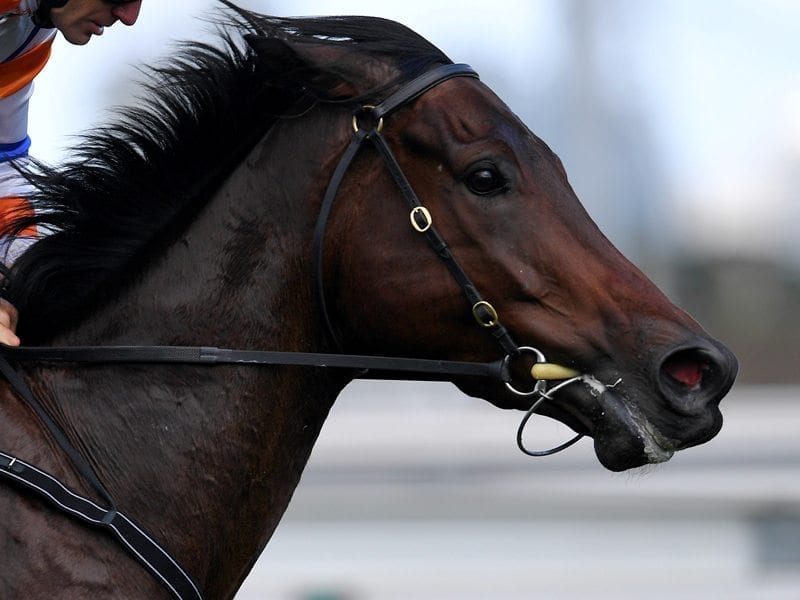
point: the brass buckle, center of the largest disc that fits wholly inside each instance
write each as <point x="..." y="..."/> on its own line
<point x="425" y="215"/>
<point x="492" y="314"/>
<point x="365" y="109"/>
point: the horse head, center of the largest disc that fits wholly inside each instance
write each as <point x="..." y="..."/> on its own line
<point x="650" y="377"/>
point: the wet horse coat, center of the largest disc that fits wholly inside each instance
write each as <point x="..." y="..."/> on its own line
<point x="190" y="223"/>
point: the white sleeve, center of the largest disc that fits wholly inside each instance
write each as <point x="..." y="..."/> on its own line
<point x="14" y="116"/>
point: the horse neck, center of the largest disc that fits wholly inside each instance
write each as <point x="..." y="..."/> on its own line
<point x="223" y="444"/>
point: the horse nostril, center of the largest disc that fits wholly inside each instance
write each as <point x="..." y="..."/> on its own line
<point x="692" y="378"/>
<point x="687" y="367"/>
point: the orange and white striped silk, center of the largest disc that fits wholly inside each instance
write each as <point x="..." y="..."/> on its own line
<point x="19" y="72"/>
<point x="12" y="208"/>
<point x="11" y="6"/>
<point x="24" y="51"/>
<point x="26" y="48"/>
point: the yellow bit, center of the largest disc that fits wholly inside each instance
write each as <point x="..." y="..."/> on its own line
<point x="548" y="371"/>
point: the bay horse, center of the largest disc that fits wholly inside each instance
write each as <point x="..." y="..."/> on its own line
<point x="194" y="220"/>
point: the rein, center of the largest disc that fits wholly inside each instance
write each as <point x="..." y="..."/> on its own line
<point x="379" y="367"/>
<point x="134" y="538"/>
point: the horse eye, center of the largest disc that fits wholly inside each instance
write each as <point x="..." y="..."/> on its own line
<point x="485" y="181"/>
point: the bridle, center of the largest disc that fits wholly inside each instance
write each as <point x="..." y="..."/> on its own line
<point x="367" y="123"/>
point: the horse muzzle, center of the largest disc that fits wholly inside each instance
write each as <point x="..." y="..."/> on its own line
<point x="641" y="418"/>
<point x="633" y="425"/>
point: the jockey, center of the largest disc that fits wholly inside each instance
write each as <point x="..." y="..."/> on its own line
<point x="27" y="30"/>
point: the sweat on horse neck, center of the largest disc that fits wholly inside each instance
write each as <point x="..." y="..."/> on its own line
<point x="239" y="435"/>
<point x="265" y="420"/>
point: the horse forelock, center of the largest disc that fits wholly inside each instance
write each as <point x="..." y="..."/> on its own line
<point x="131" y="186"/>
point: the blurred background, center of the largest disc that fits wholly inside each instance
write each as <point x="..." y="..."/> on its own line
<point x="679" y="124"/>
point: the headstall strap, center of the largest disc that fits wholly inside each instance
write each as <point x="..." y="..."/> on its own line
<point x="421" y="218"/>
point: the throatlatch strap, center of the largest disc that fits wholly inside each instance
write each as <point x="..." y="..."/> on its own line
<point x="318" y="242"/>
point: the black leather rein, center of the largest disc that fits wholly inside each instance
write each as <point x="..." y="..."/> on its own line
<point x="373" y="367"/>
<point x="134" y="538"/>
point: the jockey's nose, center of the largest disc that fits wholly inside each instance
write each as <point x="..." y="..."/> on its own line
<point x="127" y="13"/>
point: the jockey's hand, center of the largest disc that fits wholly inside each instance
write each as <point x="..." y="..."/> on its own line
<point x="8" y="324"/>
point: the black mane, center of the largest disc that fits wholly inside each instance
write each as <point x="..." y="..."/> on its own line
<point x="131" y="186"/>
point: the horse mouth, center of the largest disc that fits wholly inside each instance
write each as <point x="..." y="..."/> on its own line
<point x="624" y="436"/>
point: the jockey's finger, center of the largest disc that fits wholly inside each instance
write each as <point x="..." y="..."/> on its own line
<point x="8" y="315"/>
<point x="8" y="337"/>
<point x="8" y="323"/>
